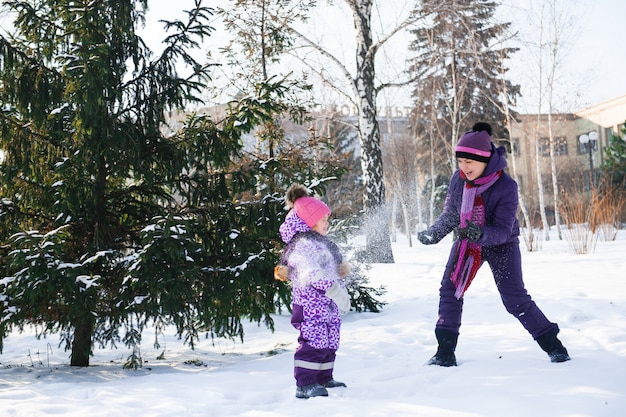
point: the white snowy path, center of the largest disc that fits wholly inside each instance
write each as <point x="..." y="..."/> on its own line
<point x="501" y="372"/>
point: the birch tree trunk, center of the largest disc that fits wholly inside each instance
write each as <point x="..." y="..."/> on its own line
<point x="378" y="242"/>
<point x="419" y="185"/>
<point x="558" y="21"/>
<point x="394" y="211"/>
<point x="520" y="196"/>
<point x="554" y="20"/>
<point x="407" y="221"/>
<point x="555" y="182"/>
<point x="540" y="189"/>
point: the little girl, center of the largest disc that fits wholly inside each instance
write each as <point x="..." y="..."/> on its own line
<point x="313" y="265"/>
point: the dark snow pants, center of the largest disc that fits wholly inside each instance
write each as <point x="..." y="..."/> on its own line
<point x="505" y="262"/>
<point x="313" y="366"/>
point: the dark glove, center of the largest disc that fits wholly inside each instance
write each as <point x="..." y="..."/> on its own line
<point x="472" y="232"/>
<point x="427" y="237"/>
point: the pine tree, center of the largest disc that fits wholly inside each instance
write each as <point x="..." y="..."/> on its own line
<point x="86" y="164"/>
<point x="460" y="63"/>
<point x="109" y="224"/>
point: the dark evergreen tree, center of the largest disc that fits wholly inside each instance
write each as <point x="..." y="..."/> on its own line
<point x="461" y="63"/>
<point x="615" y="164"/>
<point x="85" y="161"/>
<point x="107" y="223"/>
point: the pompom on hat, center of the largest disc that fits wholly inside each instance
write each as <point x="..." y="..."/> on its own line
<point x="478" y="126"/>
<point x="475" y="144"/>
<point x="309" y="209"/>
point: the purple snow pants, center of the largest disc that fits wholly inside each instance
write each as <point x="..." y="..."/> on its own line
<point x="505" y="262"/>
<point x="312" y="365"/>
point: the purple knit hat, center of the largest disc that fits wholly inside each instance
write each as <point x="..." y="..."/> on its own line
<point x="475" y="145"/>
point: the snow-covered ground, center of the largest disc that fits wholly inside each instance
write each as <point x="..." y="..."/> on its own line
<point x="501" y="372"/>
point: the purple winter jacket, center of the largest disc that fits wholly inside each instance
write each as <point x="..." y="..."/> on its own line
<point x="500" y="200"/>
<point x="313" y="261"/>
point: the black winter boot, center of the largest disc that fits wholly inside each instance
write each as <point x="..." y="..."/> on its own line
<point x="311" y="390"/>
<point x="553" y="346"/>
<point x="445" y="351"/>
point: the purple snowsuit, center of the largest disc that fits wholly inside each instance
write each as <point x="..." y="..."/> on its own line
<point x="313" y="262"/>
<point x="500" y="249"/>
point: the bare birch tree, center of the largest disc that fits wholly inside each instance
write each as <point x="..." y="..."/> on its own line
<point x="364" y="89"/>
<point x="552" y="22"/>
<point x="559" y="22"/>
<point x="378" y="241"/>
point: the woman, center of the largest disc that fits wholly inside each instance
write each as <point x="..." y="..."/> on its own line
<point x="481" y="207"/>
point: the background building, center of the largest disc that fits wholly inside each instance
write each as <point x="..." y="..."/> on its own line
<point x="579" y="141"/>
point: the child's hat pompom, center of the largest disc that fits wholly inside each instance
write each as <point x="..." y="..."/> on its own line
<point x="294" y="192"/>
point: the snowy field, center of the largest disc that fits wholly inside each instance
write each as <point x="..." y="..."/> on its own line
<point x="501" y="372"/>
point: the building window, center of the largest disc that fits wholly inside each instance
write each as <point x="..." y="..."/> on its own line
<point x="544" y="147"/>
<point x="515" y="146"/>
<point x="560" y="146"/>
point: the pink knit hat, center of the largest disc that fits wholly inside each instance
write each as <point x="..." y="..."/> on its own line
<point x="475" y="145"/>
<point x="310" y="210"/>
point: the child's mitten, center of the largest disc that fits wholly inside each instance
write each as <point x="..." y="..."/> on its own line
<point x="343" y="269"/>
<point x="340" y="296"/>
<point x="281" y="273"/>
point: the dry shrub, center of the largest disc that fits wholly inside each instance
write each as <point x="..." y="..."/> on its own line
<point x="607" y="207"/>
<point x="590" y="215"/>
<point x="532" y="235"/>
<point x="532" y="238"/>
<point x="577" y="214"/>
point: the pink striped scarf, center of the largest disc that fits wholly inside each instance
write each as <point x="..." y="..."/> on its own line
<point x="468" y="254"/>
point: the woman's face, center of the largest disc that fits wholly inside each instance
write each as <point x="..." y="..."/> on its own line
<point x="472" y="169"/>
<point x="321" y="226"/>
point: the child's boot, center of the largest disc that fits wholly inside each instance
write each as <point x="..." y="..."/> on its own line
<point x="311" y="390"/>
<point x="333" y="384"/>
